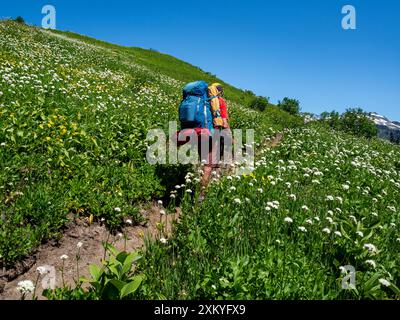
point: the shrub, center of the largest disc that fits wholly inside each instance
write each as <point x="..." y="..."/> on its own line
<point x="259" y="103"/>
<point x="19" y="19"/>
<point x="291" y="106"/>
<point x="357" y="122"/>
<point x="354" y="121"/>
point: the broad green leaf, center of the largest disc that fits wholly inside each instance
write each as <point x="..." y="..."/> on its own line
<point x="118" y="283"/>
<point x="122" y="256"/>
<point x="132" y="286"/>
<point x="95" y="271"/>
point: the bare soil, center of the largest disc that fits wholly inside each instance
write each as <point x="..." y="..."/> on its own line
<point x="92" y="251"/>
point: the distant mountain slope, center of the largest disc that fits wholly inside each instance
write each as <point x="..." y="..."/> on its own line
<point x="387" y="129"/>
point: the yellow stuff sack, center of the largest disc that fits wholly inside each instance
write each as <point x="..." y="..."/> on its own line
<point x="213" y="95"/>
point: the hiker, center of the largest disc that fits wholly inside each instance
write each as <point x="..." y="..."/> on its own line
<point x="199" y="114"/>
<point x="225" y="136"/>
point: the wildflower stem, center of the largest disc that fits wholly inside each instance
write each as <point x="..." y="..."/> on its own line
<point x="105" y="246"/>
<point x="78" y="257"/>
<point x="62" y="273"/>
<point x="36" y="283"/>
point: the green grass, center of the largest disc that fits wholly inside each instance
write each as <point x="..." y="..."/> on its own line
<point x="167" y="65"/>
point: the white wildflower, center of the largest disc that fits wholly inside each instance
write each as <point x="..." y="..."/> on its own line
<point x="79" y="245"/>
<point x="370" y="247"/>
<point x="360" y="234"/>
<point x="302" y="229"/>
<point x="326" y="230"/>
<point x="25" y="286"/>
<point x="64" y="257"/>
<point x="41" y="270"/>
<point x="371" y="262"/>
<point x="117" y="209"/>
<point x="163" y="240"/>
<point x="237" y="200"/>
<point x="384" y="282"/>
<point x="288" y="220"/>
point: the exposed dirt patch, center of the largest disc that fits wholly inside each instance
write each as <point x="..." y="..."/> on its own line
<point x="274" y="142"/>
<point x="92" y="250"/>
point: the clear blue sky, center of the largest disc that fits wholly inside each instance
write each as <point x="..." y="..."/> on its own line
<point x="274" y="48"/>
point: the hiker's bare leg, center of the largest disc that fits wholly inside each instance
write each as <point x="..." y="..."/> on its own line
<point x="205" y="180"/>
<point x="207" y="170"/>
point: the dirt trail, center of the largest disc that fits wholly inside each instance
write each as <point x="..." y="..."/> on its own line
<point x="274" y="142"/>
<point x="92" y="251"/>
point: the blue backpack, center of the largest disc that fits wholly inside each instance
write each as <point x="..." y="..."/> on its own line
<point x="195" y="109"/>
